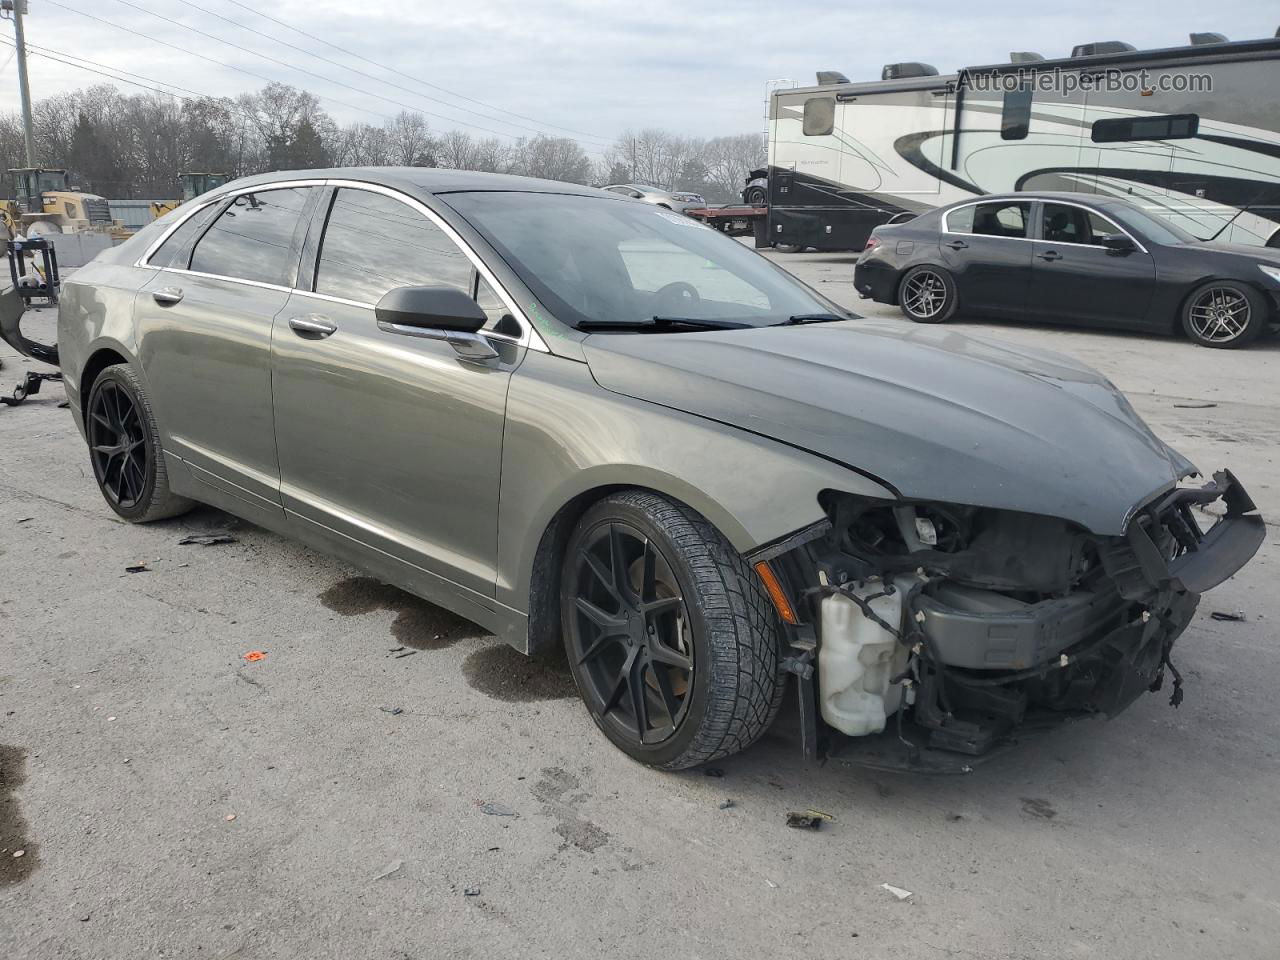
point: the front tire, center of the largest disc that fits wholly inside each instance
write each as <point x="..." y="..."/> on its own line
<point x="673" y="643"/>
<point x="1225" y="314"/>
<point x="927" y="294"/>
<point x="124" y="447"/>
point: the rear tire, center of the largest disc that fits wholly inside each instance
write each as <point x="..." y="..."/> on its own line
<point x="1224" y="314"/>
<point x="124" y="448"/>
<point x="679" y="657"/>
<point x="927" y="294"/>
<point x="755" y="197"/>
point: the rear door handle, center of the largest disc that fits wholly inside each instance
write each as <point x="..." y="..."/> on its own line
<point x="167" y="296"/>
<point x="956" y="244"/>
<point x="1050" y="255"/>
<point x="313" y="326"/>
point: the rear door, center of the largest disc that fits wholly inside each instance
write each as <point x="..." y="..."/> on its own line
<point x="1075" y="278"/>
<point x="988" y="249"/>
<point x="204" y="332"/>
<point x="389" y="440"/>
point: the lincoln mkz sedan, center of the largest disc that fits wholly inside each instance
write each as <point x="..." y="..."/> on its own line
<point x="1072" y="258"/>
<point x="581" y="420"/>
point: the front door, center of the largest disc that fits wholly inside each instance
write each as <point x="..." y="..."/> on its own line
<point x="1075" y="278"/>
<point x="987" y="248"/>
<point x="204" y="325"/>
<point x="388" y="440"/>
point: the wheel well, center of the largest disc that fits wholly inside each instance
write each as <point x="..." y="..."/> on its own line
<point x="544" y="583"/>
<point x="98" y="362"/>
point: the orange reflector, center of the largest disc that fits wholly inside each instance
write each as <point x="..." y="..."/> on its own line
<point x="776" y="593"/>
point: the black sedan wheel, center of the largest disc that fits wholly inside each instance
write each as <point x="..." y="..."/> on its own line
<point x="672" y="641"/>
<point x="124" y="447"/>
<point x="1224" y="313"/>
<point x="756" y="197"/>
<point x="927" y="294"/>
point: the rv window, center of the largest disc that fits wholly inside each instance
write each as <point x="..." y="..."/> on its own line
<point x="1015" y="122"/>
<point x="1181" y="126"/>
<point x="1001" y="219"/>
<point x="819" y="116"/>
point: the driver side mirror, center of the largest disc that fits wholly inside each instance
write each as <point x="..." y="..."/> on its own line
<point x="1118" y="243"/>
<point x="436" y="313"/>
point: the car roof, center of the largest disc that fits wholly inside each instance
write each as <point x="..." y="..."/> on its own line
<point x="422" y="180"/>
<point x="1069" y="196"/>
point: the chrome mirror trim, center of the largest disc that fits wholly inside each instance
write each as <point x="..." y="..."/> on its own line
<point x="469" y="346"/>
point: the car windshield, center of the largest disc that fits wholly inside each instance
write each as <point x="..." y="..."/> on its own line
<point x="596" y="261"/>
<point x="1160" y="228"/>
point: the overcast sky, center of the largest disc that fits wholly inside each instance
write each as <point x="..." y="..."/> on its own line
<point x="595" y="67"/>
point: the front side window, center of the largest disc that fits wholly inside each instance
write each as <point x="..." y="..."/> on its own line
<point x="592" y="261"/>
<point x="819" y="116"/>
<point x="1064" y="223"/>
<point x="1001" y="219"/>
<point x="1015" y="120"/>
<point x="373" y="243"/>
<point x="253" y="239"/>
<point x="176" y="249"/>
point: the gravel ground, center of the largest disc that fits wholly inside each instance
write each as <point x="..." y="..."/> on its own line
<point x="387" y="782"/>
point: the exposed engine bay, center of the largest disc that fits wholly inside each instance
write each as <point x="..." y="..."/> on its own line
<point x="954" y="626"/>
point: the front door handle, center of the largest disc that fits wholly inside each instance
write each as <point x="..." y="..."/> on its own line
<point x="167" y="296"/>
<point x="1050" y="255"/>
<point x="313" y="326"/>
<point x="956" y="244"/>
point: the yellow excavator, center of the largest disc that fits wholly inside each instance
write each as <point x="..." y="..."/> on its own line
<point x="43" y="203"/>
<point x="193" y="184"/>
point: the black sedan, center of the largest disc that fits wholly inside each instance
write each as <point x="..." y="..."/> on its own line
<point x="1071" y="258"/>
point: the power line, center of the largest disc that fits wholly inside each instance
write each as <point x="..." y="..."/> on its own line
<point x="342" y="66"/>
<point x="425" y="83"/>
<point x="311" y="73"/>
<point x="192" y="53"/>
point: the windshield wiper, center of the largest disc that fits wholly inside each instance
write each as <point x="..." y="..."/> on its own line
<point x="663" y="323"/>
<point x="801" y="318"/>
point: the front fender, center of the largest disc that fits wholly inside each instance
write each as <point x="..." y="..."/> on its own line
<point x="566" y="436"/>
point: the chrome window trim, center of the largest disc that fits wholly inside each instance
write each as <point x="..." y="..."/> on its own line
<point x="529" y="336"/>
<point x="946" y="219"/>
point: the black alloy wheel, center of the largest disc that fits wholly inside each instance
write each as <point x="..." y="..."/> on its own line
<point x="631" y="643"/>
<point x="118" y="446"/>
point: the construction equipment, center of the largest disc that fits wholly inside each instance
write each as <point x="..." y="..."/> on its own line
<point x="193" y="184"/>
<point x="43" y="203"/>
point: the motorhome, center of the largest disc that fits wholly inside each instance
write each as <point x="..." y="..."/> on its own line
<point x="1192" y="133"/>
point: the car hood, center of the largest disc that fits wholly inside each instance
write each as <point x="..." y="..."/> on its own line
<point x="934" y="414"/>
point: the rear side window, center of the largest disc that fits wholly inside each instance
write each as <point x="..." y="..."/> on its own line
<point x="1015" y="120"/>
<point x="374" y="243"/>
<point x="253" y="239"/>
<point x="819" y="116"/>
<point x="959" y="220"/>
<point x="1182" y="126"/>
<point x="176" y="250"/>
<point x="1001" y="219"/>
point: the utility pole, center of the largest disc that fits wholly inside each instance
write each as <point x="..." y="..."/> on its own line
<point x="19" y="7"/>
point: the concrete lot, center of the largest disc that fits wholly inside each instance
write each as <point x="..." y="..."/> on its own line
<point x="133" y="731"/>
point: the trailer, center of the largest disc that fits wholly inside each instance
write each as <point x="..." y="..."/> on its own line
<point x="1190" y="133"/>
<point x="736" y="220"/>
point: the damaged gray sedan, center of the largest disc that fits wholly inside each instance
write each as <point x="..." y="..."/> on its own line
<point x="582" y="421"/>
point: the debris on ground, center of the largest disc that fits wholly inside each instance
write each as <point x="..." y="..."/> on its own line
<point x="137" y="568"/>
<point x="818" y="813"/>
<point x="26" y="519"/>
<point x="493" y="808"/>
<point x="229" y="817"/>
<point x="207" y="539"/>
<point x="955" y="817"/>
<point x="407" y="653"/>
<point x="392" y="867"/>
<point x="394" y="711"/>
<point x="897" y="891"/>
<point x="1237" y="617"/>
<point x="714" y="772"/>
<point x="471" y="892"/>
<point x="803" y="821"/>
<point x="19" y="854"/>
<point x="727" y="805"/>
<point x="1195" y="406"/>
<point x="253" y="656"/>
